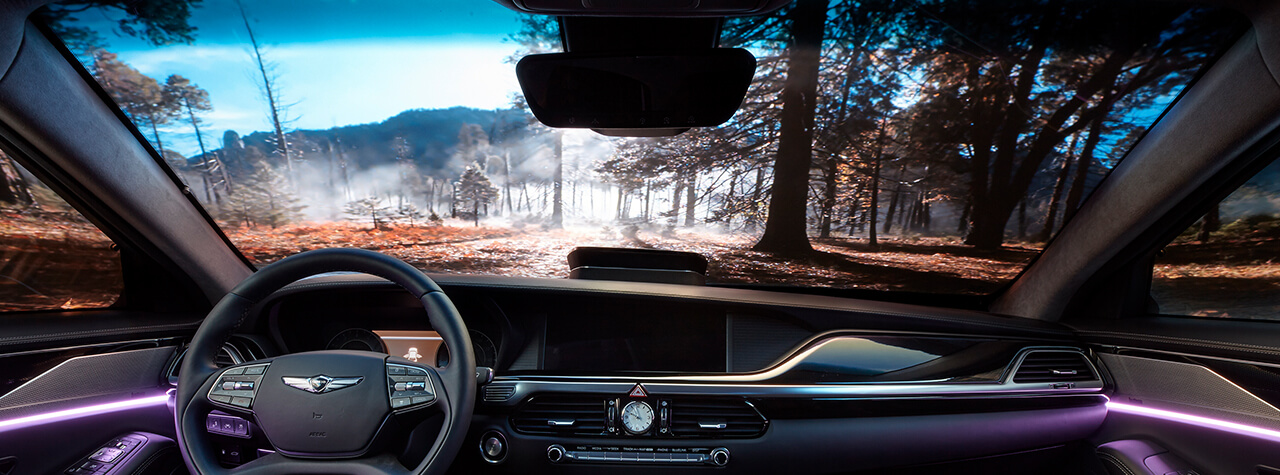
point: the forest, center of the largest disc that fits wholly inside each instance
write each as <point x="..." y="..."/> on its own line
<point x="927" y="145"/>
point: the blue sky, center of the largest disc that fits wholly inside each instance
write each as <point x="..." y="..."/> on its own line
<point x="339" y="62"/>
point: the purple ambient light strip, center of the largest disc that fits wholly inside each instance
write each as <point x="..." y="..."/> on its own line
<point x="1202" y="421"/>
<point x="82" y="411"/>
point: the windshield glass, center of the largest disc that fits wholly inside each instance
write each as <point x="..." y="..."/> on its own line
<point x="949" y="140"/>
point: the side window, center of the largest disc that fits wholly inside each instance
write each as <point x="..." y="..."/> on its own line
<point x="51" y="257"/>
<point x="1228" y="264"/>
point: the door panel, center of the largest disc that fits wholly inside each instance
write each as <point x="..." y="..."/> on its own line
<point x="81" y="397"/>
<point x="1216" y="414"/>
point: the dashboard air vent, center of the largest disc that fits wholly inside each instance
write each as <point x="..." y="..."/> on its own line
<point x="224" y="357"/>
<point x="498" y="392"/>
<point x="712" y="417"/>
<point x="1053" y="366"/>
<point x="561" y="415"/>
<point x="228" y="355"/>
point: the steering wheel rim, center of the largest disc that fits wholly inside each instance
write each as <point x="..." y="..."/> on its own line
<point x="456" y="399"/>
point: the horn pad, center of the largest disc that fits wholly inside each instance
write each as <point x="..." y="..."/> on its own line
<point x="323" y="403"/>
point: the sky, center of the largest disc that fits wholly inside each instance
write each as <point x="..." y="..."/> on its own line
<point x="339" y="62"/>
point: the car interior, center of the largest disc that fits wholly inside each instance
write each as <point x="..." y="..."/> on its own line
<point x="150" y="325"/>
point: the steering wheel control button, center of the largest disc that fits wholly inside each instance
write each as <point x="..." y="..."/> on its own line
<point x="227" y="425"/>
<point x="238" y="386"/>
<point x="408" y="386"/>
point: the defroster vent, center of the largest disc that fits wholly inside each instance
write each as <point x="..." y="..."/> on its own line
<point x="1052" y="366"/>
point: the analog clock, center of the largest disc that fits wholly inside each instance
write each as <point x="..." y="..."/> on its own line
<point x="637" y="417"/>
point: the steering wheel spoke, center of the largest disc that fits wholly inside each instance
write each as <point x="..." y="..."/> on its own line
<point x="331" y="411"/>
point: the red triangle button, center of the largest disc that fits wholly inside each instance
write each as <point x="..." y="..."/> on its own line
<point x="638" y="391"/>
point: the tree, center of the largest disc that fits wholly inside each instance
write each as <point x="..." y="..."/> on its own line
<point x="474" y="192"/>
<point x="270" y="91"/>
<point x="785" y="229"/>
<point x="263" y="199"/>
<point x="1023" y="78"/>
<point x="410" y="213"/>
<point x="139" y="96"/>
<point x="371" y="209"/>
<point x="190" y="98"/>
<point x="157" y="22"/>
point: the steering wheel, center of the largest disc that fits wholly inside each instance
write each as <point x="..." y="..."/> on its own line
<point x="330" y="411"/>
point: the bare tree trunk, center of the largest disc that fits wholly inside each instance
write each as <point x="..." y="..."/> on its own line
<point x="1212" y="222"/>
<point x="617" y="213"/>
<point x="875" y="199"/>
<point x="1083" y="162"/>
<point x="752" y="219"/>
<point x="893" y="200"/>
<point x="557" y="204"/>
<point x="269" y="89"/>
<point x="692" y="199"/>
<point x="506" y="179"/>
<point x="159" y="145"/>
<point x="1051" y="217"/>
<point x="1022" y="219"/>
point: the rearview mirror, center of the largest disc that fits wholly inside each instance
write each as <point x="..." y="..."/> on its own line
<point x="636" y="94"/>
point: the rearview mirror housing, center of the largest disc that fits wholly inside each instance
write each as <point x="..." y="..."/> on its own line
<point x="645" y="93"/>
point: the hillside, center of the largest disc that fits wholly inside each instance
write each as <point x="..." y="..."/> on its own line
<point x="430" y="133"/>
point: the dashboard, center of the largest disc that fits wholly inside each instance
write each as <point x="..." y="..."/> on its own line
<point x="616" y="376"/>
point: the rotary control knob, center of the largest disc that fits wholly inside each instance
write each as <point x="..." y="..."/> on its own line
<point x="555" y="453"/>
<point x="719" y="456"/>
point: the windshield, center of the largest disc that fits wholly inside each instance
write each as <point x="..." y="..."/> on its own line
<point x="927" y="146"/>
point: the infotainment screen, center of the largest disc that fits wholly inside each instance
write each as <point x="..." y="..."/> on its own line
<point x="416" y="346"/>
<point x="625" y="343"/>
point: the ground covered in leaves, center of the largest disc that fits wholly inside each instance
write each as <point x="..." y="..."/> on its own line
<point x="55" y="260"/>
<point x="52" y="260"/>
<point x="922" y="264"/>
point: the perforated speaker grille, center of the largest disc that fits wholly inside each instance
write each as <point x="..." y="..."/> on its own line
<point x="109" y="375"/>
<point x="1186" y="387"/>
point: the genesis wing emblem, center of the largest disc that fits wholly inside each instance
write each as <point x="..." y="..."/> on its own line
<point x="321" y="383"/>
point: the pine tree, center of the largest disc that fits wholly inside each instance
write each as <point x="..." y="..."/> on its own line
<point x="475" y="191"/>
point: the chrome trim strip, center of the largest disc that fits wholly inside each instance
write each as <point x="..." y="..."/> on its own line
<point x="852" y="391"/>
<point x="776" y="371"/>
<point x="754" y="385"/>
